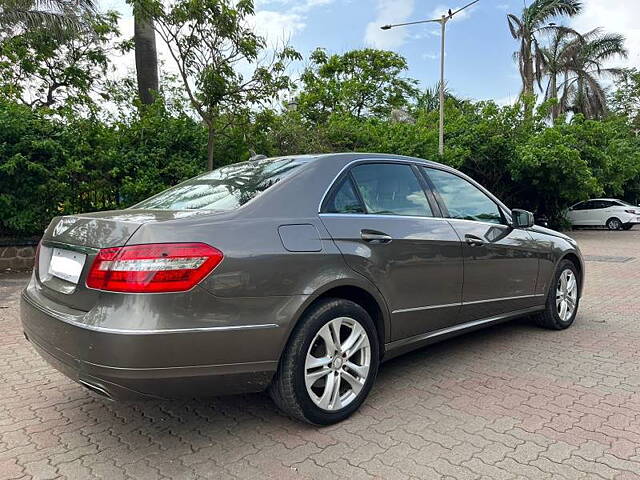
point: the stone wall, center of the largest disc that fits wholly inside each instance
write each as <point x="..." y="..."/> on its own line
<point x="17" y="255"/>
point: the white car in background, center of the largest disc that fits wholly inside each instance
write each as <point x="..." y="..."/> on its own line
<point x="604" y="212"/>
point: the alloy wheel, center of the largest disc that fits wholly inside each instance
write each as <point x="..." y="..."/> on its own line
<point x="614" y="224"/>
<point x="566" y="295"/>
<point x="337" y="364"/>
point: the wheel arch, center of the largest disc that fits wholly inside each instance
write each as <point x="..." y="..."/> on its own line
<point x="368" y="297"/>
<point x="577" y="261"/>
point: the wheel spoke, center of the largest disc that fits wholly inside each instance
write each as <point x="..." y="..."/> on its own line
<point x="356" y="333"/>
<point x="325" y="399"/>
<point x="356" y="386"/>
<point x="313" y="377"/>
<point x="335" y="331"/>
<point x="335" y="394"/>
<point x="315" y="362"/>
<point x="360" y="344"/>
<point x="361" y="370"/>
<point x="571" y="285"/>
<point x="563" y="282"/>
<point x="325" y="334"/>
<point x="563" y="309"/>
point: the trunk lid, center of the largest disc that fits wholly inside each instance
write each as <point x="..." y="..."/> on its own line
<point x="70" y="244"/>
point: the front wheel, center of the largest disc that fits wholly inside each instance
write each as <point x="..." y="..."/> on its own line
<point x="562" y="300"/>
<point x="627" y="227"/>
<point x="329" y="365"/>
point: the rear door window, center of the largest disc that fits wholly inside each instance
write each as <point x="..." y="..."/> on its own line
<point x="391" y="189"/>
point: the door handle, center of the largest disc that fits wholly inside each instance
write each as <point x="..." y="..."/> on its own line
<point x="373" y="236"/>
<point x="473" y="241"/>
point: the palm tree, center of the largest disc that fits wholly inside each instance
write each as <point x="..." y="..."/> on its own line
<point x="582" y="90"/>
<point x="535" y="20"/>
<point x="57" y="16"/>
<point x="556" y="60"/>
<point x="144" y="40"/>
<point x="429" y="99"/>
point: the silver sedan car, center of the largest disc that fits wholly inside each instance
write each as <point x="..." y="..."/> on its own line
<point x="297" y="274"/>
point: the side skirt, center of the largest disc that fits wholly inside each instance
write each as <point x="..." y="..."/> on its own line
<point x="405" y="345"/>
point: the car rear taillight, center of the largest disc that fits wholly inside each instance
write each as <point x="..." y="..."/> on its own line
<point x="152" y="268"/>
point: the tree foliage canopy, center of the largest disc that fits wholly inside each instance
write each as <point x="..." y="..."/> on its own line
<point x="361" y="83"/>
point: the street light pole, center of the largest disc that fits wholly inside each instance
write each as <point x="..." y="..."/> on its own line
<point x="443" y="22"/>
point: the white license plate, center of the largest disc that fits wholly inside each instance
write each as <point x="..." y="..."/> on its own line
<point x="66" y="264"/>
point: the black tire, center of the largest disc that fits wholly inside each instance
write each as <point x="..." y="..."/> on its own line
<point x="288" y="389"/>
<point x="549" y="318"/>
<point x="627" y="227"/>
<point x="614" y="223"/>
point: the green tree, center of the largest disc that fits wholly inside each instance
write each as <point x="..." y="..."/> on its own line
<point x="43" y="71"/>
<point x="209" y="40"/>
<point x="361" y="83"/>
<point x="625" y="99"/>
<point x="534" y="21"/>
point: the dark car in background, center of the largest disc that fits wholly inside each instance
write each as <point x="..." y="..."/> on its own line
<point x="294" y="274"/>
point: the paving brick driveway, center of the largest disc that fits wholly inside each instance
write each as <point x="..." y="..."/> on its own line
<point x="511" y="401"/>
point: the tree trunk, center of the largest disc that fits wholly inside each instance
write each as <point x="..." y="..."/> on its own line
<point x="527" y="70"/>
<point x="144" y="38"/>
<point x="553" y="87"/>
<point x="210" y="139"/>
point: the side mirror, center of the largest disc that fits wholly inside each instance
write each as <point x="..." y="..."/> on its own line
<point x="521" y="218"/>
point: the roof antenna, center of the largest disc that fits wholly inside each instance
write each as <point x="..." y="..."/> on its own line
<point x="255" y="156"/>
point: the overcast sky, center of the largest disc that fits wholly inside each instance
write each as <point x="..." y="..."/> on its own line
<point x="479" y="61"/>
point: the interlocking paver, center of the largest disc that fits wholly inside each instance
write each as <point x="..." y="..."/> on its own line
<point x="512" y="401"/>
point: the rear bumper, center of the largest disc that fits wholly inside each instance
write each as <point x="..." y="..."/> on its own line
<point x="164" y="364"/>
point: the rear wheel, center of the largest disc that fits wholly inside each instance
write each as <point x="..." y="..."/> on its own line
<point x="562" y="299"/>
<point x="614" y="223"/>
<point x="329" y="365"/>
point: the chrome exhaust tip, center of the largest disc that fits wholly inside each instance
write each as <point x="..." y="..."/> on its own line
<point x="95" y="388"/>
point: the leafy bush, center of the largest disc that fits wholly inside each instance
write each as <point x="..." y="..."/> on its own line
<point x="56" y="166"/>
<point x="52" y="165"/>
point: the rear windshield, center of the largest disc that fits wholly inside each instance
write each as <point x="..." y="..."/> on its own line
<point x="226" y="188"/>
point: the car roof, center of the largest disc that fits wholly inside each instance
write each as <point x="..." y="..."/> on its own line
<point x="351" y="156"/>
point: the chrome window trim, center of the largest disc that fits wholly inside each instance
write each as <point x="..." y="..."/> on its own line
<point x="462" y="304"/>
<point x="377" y="215"/>
<point x="401" y="161"/>
<point x="478" y="221"/>
<point x="419" y="163"/>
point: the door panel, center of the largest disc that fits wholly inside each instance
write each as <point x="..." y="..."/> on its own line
<point x="593" y="214"/>
<point x="500" y="269"/>
<point x="500" y="263"/>
<point x="419" y="271"/>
